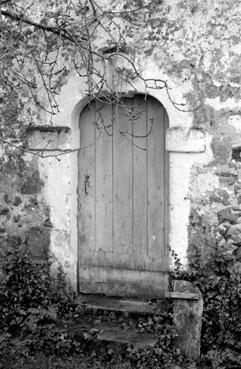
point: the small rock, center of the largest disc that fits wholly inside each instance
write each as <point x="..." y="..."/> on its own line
<point x="227" y="215"/>
<point x="227" y="225"/>
<point x="17" y="201"/>
<point x="222" y="243"/>
<point x="234" y="233"/>
<point x="230" y="244"/>
<point x="222" y="229"/>
<point x="16" y="218"/>
<point x="4" y="211"/>
<point x="226" y="181"/>
<point x="230" y="248"/>
<point x="237" y="187"/>
<point x="238" y="253"/>
<point x="6" y="199"/>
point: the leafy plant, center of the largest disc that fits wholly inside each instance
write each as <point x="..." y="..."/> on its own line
<point x="32" y="301"/>
<point x="218" y="276"/>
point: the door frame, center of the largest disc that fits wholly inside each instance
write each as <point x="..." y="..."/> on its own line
<point x="60" y="178"/>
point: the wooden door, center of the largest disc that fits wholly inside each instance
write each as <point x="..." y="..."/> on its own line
<point x="123" y="198"/>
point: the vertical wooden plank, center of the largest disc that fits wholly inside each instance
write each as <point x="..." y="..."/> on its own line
<point x="86" y="185"/>
<point x="166" y="202"/>
<point x="140" y="131"/>
<point x="103" y="159"/>
<point x="122" y="179"/>
<point x="156" y="185"/>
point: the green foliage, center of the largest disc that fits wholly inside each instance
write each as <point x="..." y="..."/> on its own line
<point x="34" y="308"/>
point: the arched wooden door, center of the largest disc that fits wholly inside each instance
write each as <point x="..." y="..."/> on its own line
<point x="123" y="198"/>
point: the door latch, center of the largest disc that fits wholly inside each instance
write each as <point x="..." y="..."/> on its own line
<point x="87" y="184"/>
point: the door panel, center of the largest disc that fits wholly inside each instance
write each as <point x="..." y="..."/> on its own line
<point x="122" y="179"/>
<point x="123" y="198"/>
<point x="103" y="182"/>
<point x="156" y="186"/>
<point x="86" y="190"/>
<point x="139" y="157"/>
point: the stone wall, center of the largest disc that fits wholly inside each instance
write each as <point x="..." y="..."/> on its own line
<point x="24" y="219"/>
<point x="195" y="47"/>
<point x="215" y="215"/>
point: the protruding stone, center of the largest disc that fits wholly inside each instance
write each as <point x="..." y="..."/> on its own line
<point x="227" y="215"/>
<point x="37" y="241"/>
<point x="239" y="174"/>
<point x="226" y="171"/>
<point x="222" y="229"/>
<point x="17" y="201"/>
<point x="32" y="185"/>
<point x="231" y="247"/>
<point x="220" y="195"/>
<point x="237" y="188"/>
<point x="222" y="243"/>
<point x="235" y="234"/>
<point x="4" y="211"/>
<point x="238" y="253"/>
<point x="188" y="320"/>
<point x="226" y="181"/>
<point x="222" y="148"/>
<point x="6" y="199"/>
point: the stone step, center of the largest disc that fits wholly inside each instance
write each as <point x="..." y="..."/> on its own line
<point x="98" y="302"/>
<point x="109" y="331"/>
<point x="137" y="339"/>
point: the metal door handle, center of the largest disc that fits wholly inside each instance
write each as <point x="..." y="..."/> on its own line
<point x="87" y="183"/>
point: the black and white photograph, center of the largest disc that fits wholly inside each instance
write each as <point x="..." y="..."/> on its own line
<point x="120" y="184"/>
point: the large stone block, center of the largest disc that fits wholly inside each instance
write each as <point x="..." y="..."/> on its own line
<point x="32" y="185"/>
<point x="222" y="149"/>
<point x="37" y="241"/>
<point x="47" y="138"/>
<point x="227" y="214"/>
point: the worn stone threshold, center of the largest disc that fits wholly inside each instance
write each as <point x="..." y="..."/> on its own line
<point x="130" y="305"/>
<point x="109" y="331"/>
<point x="98" y="302"/>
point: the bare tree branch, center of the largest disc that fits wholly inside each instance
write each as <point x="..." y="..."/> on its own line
<point x="55" y="30"/>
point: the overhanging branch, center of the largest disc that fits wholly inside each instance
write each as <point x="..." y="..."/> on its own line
<point x="55" y="30"/>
